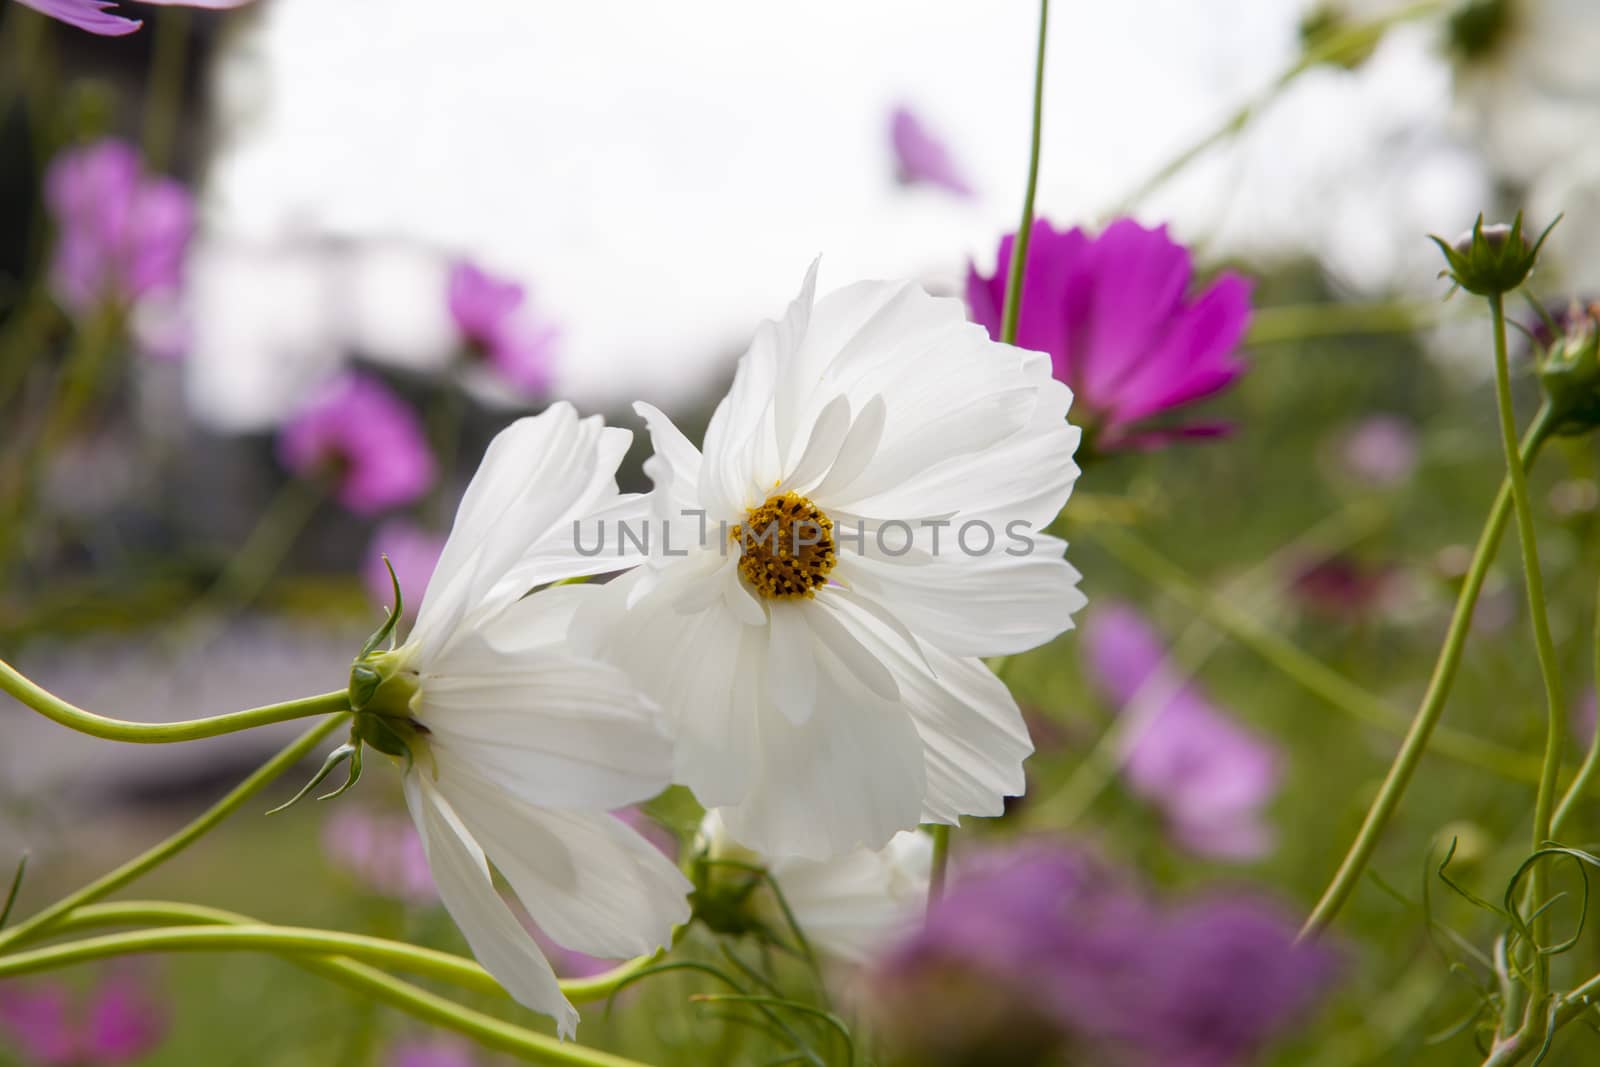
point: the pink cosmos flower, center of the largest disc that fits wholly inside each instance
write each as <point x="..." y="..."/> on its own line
<point x="920" y="158"/>
<point x="1124" y="325"/>
<point x="431" y="1052"/>
<point x="492" y="315"/>
<point x="121" y="234"/>
<point x="96" y="17"/>
<point x="116" y="1022"/>
<point x="413" y="552"/>
<point x="366" y="439"/>
<point x="1212" y="778"/>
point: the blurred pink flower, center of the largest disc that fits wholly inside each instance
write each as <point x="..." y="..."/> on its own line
<point x="116" y="1022"/>
<point x="431" y="1052"/>
<point x="1380" y="451"/>
<point x="1124" y="326"/>
<point x="367" y="439"/>
<point x="95" y="15"/>
<point x="382" y="852"/>
<point x="413" y="552"/>
<point x="1212" y="778"/>
<point x="1343" y="588"/>
<point x="492" y="315"/>
<point x="120" y="233"/>
<point x="920" y="158"/>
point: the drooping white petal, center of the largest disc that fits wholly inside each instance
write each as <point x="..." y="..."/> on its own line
<point x="587" y="879"/>
<point x="851" y="907"/>
<point x="515" y="704"/>
<point x="492" y="931"/>
<point x="791" y="663"/>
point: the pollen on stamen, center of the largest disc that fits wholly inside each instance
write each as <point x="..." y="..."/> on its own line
<point x="786" y="547"/>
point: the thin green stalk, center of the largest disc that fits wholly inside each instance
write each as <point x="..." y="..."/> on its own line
<point x="1311" y="674"/>
<point x="1019" y="248"/>
<point x="1549" y="668"/>
<point x="164" y="100"/>
<point x="73" y="717"/>
<point x="1299" y="322"/>
<point x="165" y="850"/>
<point x="440" y="965"/>
<point x="1338" y="48"/>
<point x="216" y="931"/>
<point x="1416" y="740"/>
<point x="1591" y="760"/>
<point x="941" y="863"/>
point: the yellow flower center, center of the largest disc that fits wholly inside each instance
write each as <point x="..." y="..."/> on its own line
<point x="785" y="547"/>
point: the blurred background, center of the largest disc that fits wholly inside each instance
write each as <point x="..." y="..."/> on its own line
<point x="239" y="242"/>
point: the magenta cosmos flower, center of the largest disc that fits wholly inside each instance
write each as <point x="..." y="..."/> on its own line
<point x="120" y="233"/>
<point x="494" y="320"/>
<point x="116" y="1022"/>
<point x="96" y="17"/>
<point x="1124" y="325"/>
<point x="920" y="158"/>
<point x="1211" y="778"/>
<point x="366" y="440"/>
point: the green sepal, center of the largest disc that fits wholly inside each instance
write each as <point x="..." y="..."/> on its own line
<point x="1493" y="260"/>
<point x="354" y="777"/>
<point x="381" y="734"/>
<point x="348" y="750"/>
<point x="1569" y="372"/>
<point x="391" y="621"/>
<point x="364" y="683"/>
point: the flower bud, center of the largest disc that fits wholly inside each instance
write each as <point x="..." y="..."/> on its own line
<point x="1491" y="260"/>
<point x="381" y="690"/>
<point x="1569" y="372"/>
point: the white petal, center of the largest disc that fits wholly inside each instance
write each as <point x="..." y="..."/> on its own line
<point x="586" y="878"/>
<point x="851" y="776"/>
<point x="851" y="907"/>
<point x="828" y="433"/>
<point x="538" y="475"/>
<point x="674" y="465"/>
<point x="492" y="931"/>
<point x="974" y="735"/>
<point x="791" y="664"/>
<point x="515" y="703"/>
<point x="989" y="605"/>
<point x="857" y="452"/>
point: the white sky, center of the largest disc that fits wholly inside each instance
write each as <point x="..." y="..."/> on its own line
<point x="662" y="174"/>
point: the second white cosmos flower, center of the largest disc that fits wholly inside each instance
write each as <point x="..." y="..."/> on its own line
<point x="864" y="523"/>
<point x="519" y="747"/>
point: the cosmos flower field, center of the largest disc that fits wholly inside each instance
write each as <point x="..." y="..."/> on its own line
<point x="1155" y="629"/>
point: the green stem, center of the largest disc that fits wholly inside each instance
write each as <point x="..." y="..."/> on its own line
<point x="1312" y="675"/>
<point x="153" y="733"/>
<point x="164" y="102"/>
<point x="1019" y="247"/>
<point x="1433" y="701"/>
<point x="250" y="569"/>
<point x="1299" y="322"/>
<point x="188" y="835"/>
<point x="1555" y="720"/>
<point x="941" y="863"/>
<point x="1591" y="760"/>
<point x="1338" y="48"/>
<point x="216" y="930"/>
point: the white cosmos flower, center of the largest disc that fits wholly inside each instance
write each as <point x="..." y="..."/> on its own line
<point x="521" y="746"/>
<point x="826" y="700"/>
<point x="848" y="908"/>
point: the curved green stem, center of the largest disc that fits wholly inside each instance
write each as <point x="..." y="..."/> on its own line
<point x="1591" y="760"/>
<point x="116" y="879"/>
<point x="1338" y="48"/>
<point x="1311" y="674"/>
<point x="1433" y="701"/>
<point x="219" y="931"/>
<point x="73" y="717"/>
<point x="1019" y="247"/>
<point x="1544" y="644"/>
<point x="164" y="101"/>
